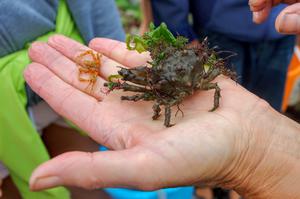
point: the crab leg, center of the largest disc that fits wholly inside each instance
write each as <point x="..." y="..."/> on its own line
<point x="217" y="95"/>
<point x="137" y="97"/>
<point x="168" y="116"/>
<point x="133" y="88"/>
<point x="156" y="110"/>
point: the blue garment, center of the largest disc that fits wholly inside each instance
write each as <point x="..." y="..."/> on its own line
<point x="261" y="66"/>
<point x="22" y="21"/>
<point x="230" y="17"/>
<point x="263" y="55"/>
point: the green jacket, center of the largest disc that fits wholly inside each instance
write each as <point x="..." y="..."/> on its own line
<point x="21" y="148"/>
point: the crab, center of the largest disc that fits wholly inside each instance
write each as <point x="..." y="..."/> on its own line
<point x="89" y="64"/>
<point x="176" y="72"/>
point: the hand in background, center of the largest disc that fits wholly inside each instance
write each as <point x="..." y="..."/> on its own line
<point x="232" y="147"/>
<point x="287" y="21"/>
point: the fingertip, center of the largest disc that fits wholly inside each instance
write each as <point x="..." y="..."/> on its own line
<point x="45" y="182"/>
<point x="33" y="178"/>
<point x="57" y="39"/>
<point x="36" y="49"/>
<point x="103" y="44"/>
<point x="288" y="23"/>
<point x="95" y="42"/>
<point x="257" y="17"/>
<point x="29" y="71"/>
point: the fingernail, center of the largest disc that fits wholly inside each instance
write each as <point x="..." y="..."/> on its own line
<point x="256" y="16"/>
<point x="45" y="182"/>
<point x="290" y="23"/>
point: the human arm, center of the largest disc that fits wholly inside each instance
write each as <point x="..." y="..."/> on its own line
<point x="147" y="16"/>
<point x="286" y="22"/>
<point x="244" y="144"/>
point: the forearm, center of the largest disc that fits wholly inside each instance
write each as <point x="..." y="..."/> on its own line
<point x="147" y="15"/>
<point x="147" y="11"/>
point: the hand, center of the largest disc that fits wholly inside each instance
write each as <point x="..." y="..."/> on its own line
<point x="224" y="148"/>
<point x="287" y="21"/>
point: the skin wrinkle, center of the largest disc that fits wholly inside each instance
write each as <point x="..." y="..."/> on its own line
<point x="185" y="160"/>
<point x="112" y="48"/>
<point x="225" y="178"/>
<point x="157" y="153"/>
<point x="97" y="181"/>
<point x="42" y="89"/>
<point x="91" y="113"/>
<point x="247" y="181"/>
<point x="228" y="178"/>
<point x="126" y="57"/>
<point x="105" y="130"/>
<point x="239" y="162"/>
<point x="69" y="92"/>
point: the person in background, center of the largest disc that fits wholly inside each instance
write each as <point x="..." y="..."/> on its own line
<point x="23" y="114"/>
<point x="262" y="54"/>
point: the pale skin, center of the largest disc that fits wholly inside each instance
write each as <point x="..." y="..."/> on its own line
<point x="244" y="145"/>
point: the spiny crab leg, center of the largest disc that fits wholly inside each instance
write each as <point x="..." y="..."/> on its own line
<point x="89" y="67"/>
<point x="217" y="94"/>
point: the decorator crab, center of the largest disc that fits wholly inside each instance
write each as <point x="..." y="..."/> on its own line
<point x="175" y="72"/>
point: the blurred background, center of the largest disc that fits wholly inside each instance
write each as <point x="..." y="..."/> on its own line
<point x="268" y="64"/>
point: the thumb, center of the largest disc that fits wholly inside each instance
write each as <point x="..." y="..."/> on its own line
<point x="288" y="21"/>
<point x="95" y="170"/>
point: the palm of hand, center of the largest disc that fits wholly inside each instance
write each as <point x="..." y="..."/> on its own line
<point x="199" y="148"/>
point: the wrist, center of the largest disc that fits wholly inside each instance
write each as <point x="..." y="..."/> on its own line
<point x="269" y="159"/>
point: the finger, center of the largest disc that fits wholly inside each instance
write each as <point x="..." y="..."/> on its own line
<point x="257" y="5"/>
<point x="288" y="21"/>
<point x="81" y="109"/>
<point x="72" y="49"/>
<point x="95" y="170"/>
<point x="64" y="68"/>
<point x="117" y="50"/>
<point x="261" y="11"/>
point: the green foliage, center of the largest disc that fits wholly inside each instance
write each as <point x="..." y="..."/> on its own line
<point x="157" y="37"/>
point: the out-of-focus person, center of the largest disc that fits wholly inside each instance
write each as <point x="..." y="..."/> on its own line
<point x="23" y="114"/>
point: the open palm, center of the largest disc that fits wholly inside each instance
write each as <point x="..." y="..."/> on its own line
<point x="203" y="147"/>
